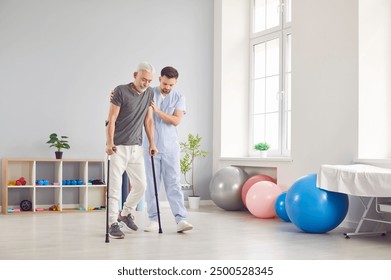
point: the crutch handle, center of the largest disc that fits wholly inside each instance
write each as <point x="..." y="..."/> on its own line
<point x="114" y="150"/>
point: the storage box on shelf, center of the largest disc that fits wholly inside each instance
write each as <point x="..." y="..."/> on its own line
<point x="51" y="185"/>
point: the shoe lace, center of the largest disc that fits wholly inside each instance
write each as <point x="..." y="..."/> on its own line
<point x="115" y="227"/>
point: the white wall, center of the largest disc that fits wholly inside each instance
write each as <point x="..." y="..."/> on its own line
<point x="324" y="83"/>
<point x="234" y="72"/>
<point x="375" y="82"/>
<point x="60" y="59"/>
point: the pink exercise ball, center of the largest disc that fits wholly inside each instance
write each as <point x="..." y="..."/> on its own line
<point x="261" y="199"/>
<point x="250" y="182"/>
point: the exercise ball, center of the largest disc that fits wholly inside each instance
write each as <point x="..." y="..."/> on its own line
<point x="251" y="181"/>
<point x="280" y="207"/>
<point x="312" y="209"/>
<point x="261" y="198"/>
<point x="226" y="188"/>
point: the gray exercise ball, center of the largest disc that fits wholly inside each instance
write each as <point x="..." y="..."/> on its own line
<point x="226" y="188"/>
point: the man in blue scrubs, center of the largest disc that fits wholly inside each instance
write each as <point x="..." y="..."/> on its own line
<point x="168" y="107"/>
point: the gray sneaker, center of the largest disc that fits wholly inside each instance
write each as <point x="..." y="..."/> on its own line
<point x="127" y="222"/>
<point x="115" y="231"/>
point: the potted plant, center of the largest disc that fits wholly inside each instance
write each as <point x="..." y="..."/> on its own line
<point x="262" y="147"/>
<point x="59" y="143"/>
<point x="191" y="150"/>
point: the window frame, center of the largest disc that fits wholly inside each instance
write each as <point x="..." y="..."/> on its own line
<point x="282" y="31"/>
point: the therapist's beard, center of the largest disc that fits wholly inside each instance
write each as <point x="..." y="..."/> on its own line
<point x="165" y="91"/>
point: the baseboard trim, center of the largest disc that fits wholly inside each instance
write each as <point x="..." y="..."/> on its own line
<point x="202" y="203"/>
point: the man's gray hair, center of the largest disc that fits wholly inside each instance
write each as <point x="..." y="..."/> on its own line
<point x="146" y="67"/>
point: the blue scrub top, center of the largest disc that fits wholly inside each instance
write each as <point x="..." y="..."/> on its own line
<point x="166" y="135"/>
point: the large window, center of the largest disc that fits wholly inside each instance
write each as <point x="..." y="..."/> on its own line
<point x="270" y="98"/>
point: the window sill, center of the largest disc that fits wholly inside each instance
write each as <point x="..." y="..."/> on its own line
<point x="382" y="162"/>
<point x="256" y="161"/>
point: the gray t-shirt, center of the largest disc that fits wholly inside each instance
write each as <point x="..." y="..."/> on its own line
<point x="130" y="120"/>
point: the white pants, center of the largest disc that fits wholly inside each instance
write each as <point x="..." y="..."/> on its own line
<point x="131" y="160"/>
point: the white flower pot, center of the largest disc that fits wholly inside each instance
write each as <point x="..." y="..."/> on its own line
<point x="194" y="202"/>
<point x="263" y="154"/>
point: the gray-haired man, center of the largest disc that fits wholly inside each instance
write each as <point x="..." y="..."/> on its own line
<point x="130" y="110"/>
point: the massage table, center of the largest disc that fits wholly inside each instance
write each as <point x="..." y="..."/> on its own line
<point x="372" y="184"/>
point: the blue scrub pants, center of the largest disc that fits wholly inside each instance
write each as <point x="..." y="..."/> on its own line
<point x="167" y="170"/>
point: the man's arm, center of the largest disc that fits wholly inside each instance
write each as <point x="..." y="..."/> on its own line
<point x="149" y="130"/>
<point x="110" y="128"/>
<point x="174" y="119"/>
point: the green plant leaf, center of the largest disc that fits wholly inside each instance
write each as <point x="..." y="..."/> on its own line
<point x="191" y="150"/>
<point x="262" y="146"/>
<point x="59" y="143"/>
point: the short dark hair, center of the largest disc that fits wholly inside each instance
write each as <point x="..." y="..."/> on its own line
<point x="170" y="72"/>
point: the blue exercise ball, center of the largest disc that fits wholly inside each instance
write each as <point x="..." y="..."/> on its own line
<point x="280" y="207"/>
<point x="312" y="209"/>
<point x="226" y="188"/>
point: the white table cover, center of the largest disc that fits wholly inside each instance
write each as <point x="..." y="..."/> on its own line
<point x="356" y="179"/>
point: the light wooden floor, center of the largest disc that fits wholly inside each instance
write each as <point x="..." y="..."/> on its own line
<point x="217" y="235"/>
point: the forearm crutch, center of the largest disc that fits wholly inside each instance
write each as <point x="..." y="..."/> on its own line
<point x="107" y="200"/>
<point x="156" y="195"/>
<point x="107" y="196"/>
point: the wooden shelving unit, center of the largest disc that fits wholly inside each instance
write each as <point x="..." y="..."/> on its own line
<point x="82" y="196"/>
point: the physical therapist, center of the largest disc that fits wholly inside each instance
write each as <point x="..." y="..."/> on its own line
<point x="169" y="108"/>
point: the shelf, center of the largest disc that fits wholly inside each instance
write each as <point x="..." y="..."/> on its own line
<point x="56" y="174"/>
